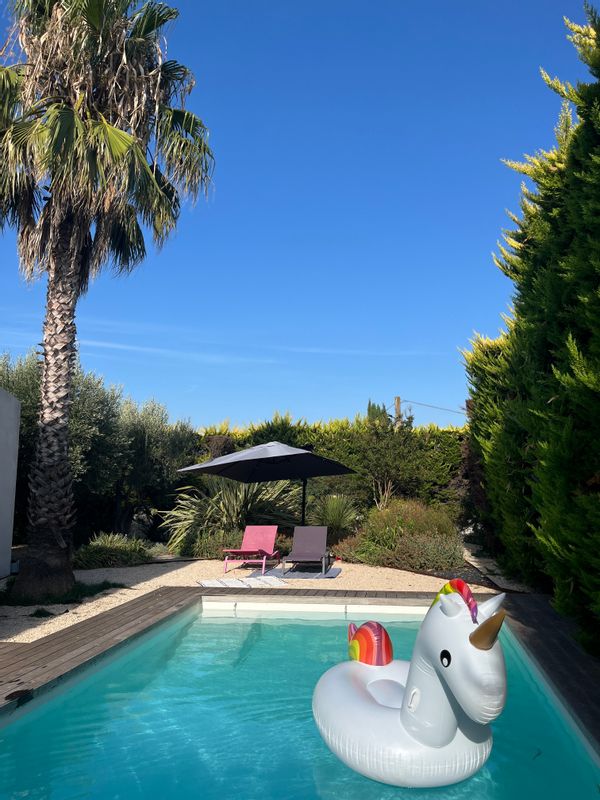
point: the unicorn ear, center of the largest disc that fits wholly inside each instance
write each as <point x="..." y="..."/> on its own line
<point x="449" y="605"/>
<point x="488" y="608"/>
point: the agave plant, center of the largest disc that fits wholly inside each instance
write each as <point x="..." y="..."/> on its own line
<point x="337" y="512"/>
<point x="186" y="519"/>
<point x="218" y="505"/>
<point x="95" y="145"/>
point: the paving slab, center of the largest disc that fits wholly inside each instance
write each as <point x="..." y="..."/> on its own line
<point x="488" y="567"/>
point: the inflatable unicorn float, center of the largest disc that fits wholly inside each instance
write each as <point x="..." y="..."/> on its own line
<point x="425" y="722"/>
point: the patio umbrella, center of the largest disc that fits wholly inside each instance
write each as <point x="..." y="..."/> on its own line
<point x="272" y="462"/>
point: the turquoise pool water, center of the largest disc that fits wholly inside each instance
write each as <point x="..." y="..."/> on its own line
<point x="221" y="708"/>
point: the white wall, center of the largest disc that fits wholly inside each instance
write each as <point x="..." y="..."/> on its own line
<point x="10" y="414"/>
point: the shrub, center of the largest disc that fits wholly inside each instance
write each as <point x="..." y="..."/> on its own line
<point x="210" y="543"/>
<point x="111" y="550"/>
<point x="155" y="549"/>
<point x="122" y="456"/>
<point x="337" y="512"/>
<point x="406" y="535"/>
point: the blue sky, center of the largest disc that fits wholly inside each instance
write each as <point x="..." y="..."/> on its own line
<point x="344" y="251"/>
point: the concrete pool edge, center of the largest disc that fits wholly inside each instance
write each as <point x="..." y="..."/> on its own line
<point x="33" y="669"/>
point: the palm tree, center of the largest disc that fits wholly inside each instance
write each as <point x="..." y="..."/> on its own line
<point x="96" y="148"/>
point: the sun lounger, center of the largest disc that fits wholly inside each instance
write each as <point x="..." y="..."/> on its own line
<point x="309" y="547"/>
<point x="258" y="547"/>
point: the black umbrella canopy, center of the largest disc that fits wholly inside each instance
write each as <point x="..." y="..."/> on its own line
<point x="272" y="462"/>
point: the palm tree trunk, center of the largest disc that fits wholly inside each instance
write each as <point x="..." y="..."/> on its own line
<point x="46" y="571"/>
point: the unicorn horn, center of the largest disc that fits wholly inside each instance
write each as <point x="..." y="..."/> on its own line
<point x="484" y="636"/>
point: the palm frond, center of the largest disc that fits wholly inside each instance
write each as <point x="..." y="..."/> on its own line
<point x="182" y="142"/>
<point x="112" y="141"/>
<point x="64" y="127"/>
<point x="37" y="11"/>
<point x="147" y="22"/>
<point x="33" y="241"/>
<point x="29" y="135"/>
<point x="118" y="238"/>
<point x="176" y="80"/>
<point x="94" y="13"/>
<point x="155" y="199"/>
<point x="127" y="247"/>
<point x="20" y="196"/>
<point x="10" y="81"/>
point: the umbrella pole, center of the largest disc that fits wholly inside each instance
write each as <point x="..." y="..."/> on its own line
<point x="304" y="501"/>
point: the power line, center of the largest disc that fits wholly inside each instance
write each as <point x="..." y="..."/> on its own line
<point x="439" y="408"/>
<point x="428" y="405"/>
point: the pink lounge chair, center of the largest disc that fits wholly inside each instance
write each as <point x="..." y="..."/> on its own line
<point x="258" y="546"/>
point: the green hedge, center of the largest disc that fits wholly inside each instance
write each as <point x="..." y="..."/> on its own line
<point x="427" y="463"/>
<point x="536" y="390"/>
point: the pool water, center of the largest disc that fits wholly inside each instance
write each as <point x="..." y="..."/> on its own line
<point x="221" y="708"/>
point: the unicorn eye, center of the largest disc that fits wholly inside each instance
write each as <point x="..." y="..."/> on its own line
<point x="445" y="658"/>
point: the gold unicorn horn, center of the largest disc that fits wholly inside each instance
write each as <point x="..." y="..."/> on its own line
<point x="484" y="636"/>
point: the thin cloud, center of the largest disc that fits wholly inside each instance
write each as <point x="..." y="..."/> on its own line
<point x="334" y="351"/>
<point x="18" y="315"/>
<point x="130" y="326"/>
<point x="191" y="334"/>
<point x="125" y="327"/>
<point x="19" y="340"/>
<point x="165" y="352"/>
<point x="19" y="334"/>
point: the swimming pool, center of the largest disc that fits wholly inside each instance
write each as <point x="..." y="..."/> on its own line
<point x="221" y="707"/>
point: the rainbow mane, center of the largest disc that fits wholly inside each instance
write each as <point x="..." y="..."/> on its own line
<point x="460" y="587"/>
<point x="370" y="644"/>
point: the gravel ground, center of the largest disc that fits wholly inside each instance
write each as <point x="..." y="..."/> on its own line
<point x="17" y="625"/>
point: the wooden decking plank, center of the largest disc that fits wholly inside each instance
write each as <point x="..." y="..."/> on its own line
<point x="38" y="674"/>
<point x="42" y="650"/>
<point x="50" y="661"/>
<point x="60" y="666"/>
<point x="62" y="639"/>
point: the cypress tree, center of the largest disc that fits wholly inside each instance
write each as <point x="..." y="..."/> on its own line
<point x="535" y="398"/>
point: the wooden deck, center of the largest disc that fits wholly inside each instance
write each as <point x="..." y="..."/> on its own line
<point x="28" y="669"/>
<point x="25" y="669"/>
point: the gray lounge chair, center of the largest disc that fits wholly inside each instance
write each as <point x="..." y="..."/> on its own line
<point x="309" y="547"/>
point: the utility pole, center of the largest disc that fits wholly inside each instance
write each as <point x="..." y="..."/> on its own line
<point x="397" y="412"/>
<point x="468" y="408"/>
